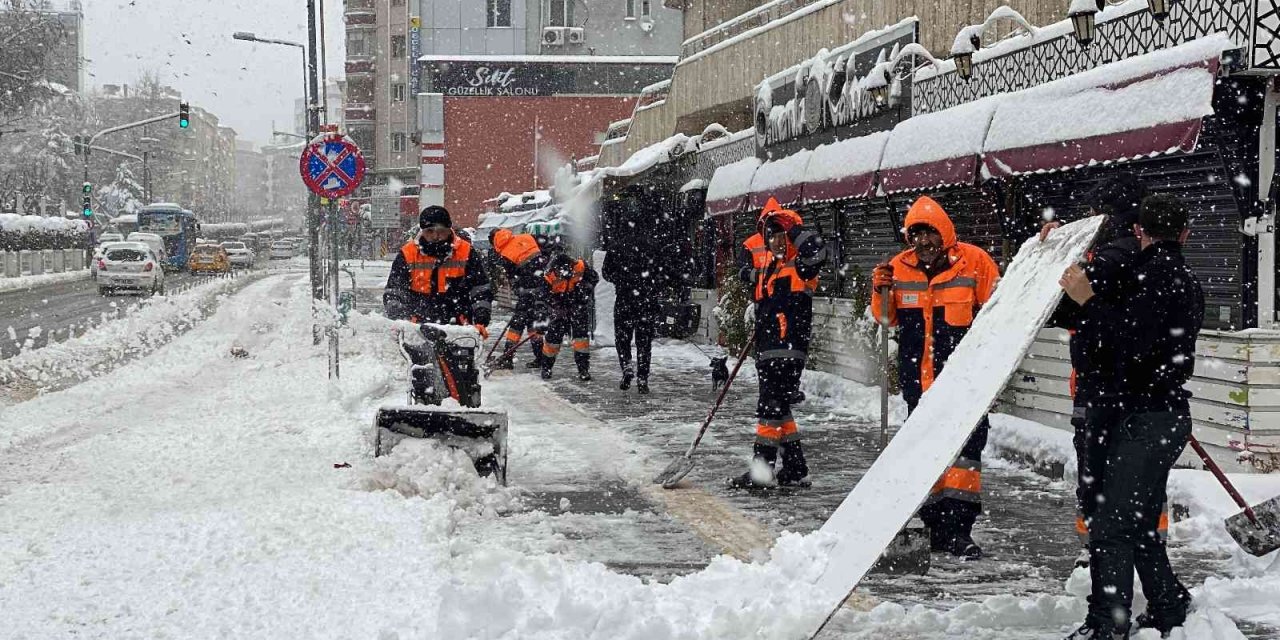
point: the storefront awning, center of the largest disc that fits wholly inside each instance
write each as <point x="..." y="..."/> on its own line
<point x="844" y="169"/>
<point x="782" y="179"/>
<point x="1155" y="114"/>
<point x="730" y="186"/>
<point x="937" y="149"/>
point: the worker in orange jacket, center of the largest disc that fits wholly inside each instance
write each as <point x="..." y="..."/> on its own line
<point x="781" y="263"/>
<point x="937" y="286"/>
<point x="571" y="283"/>
<point x="525" y="266"/>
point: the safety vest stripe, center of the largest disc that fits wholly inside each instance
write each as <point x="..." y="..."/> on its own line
<point x="550" y="349"/>
<point x="581" y="345"/>
<point x="961" y="281"/>
<point x="423" y="265"/>
<point x="771" y="354"/>
<point x="955" y="494"/>
<point x="911" y="285"/>
<point x="512" y="336"/>
<point x="480" y="289"/>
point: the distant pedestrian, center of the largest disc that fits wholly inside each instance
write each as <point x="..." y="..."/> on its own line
<point x="1148" y="334"/>
<point x="631" y="264"/>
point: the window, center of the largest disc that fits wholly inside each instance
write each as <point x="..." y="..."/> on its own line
<point x="398" y="142"/>
<point x="398" y="48"/>
<point x="358" y="43"/>
<point x="631" y="9"/>
<point x="560" y="13"/>
<point x="646" y="10"/>
<point x="397" y="92"/>
<point x="498" y="13"/>
<point x="397" y="3"/>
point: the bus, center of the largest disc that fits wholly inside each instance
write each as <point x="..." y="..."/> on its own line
<point x="177" y="226"/>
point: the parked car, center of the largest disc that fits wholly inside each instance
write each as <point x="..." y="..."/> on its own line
<point x="154" y="241"/>
<point x="209" y="258"/>
<point x="110" y="237"/>
<point x="241" y="255"/>
<point x="132" y="266"/>
<point x="281" y="250"/>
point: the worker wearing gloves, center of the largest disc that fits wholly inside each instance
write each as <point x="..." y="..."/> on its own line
<point x="1148" y="333"/>
<point x="571" y="283"/>
<point x="935" y="288"/>
<point x="525" y="267"/>
<point x="438" y="278"/>
<point x="785" y="260"/>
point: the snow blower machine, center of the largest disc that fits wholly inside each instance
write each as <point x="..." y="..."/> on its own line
<point x="440" y="369"/>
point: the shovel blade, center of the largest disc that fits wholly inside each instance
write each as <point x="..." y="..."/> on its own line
<point x="1262" y="538"/>
<point x="675" y="472"/>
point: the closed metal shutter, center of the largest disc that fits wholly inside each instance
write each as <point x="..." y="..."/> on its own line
<point x="868" y="236"/>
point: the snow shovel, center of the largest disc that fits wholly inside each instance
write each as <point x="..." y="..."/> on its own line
<point x="510" y="352"/>
<point x="488" y="357"/>
<point x="680" y="467"/>
<point x="1257" y="529"/>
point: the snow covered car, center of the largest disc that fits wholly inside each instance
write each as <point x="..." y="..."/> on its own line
<point x="209" y="258"/>
<point x="131" y="266"/>
<point x="240" y="254"/>
<point x="154" y="241"/>
<point x="98" y="251"/>
<point x="281" y="250"/>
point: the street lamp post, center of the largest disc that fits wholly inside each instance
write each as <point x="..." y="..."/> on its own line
<point x="313" y="130"/>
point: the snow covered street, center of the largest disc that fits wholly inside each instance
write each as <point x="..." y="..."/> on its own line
<point x="193" y="494"/>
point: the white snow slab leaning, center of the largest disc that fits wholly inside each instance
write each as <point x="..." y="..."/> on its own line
<point x="899" y="481"/>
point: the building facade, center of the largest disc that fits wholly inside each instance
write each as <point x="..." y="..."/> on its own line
<point x="249" y="200"/>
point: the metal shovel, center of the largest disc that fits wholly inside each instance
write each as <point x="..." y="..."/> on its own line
<point x="680" y="467"/>
<point x="1257" y="529"/>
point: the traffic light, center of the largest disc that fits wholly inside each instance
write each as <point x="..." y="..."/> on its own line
<point x="184" y="115"/>
<point x="87" y="205"/>
<point x="78" y="143"/>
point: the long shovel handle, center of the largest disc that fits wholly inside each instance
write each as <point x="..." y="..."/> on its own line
<point x="489" y="358"/>
<point x="884" y="366"/>
<point x="742" y="357"/>
<point x="1222" y="477"/>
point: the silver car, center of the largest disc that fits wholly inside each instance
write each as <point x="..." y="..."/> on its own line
<point x="239" y="253"/>
<point x="131" y="266"/>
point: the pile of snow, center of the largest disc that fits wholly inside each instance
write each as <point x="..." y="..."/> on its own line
<point x="1041" y="442"/>
<point x="428" y="467"/>
<point x="848" y="398"/>
<point x="154" y="323"/>
<point x="14" y="223"/>
<point x="42" y="280"/>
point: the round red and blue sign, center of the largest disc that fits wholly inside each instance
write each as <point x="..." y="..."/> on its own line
<point x="332" y="166"/>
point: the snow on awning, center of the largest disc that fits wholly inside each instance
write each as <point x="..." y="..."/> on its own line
<point x="1046" y="131"/>
<point x="844" y="169"/>
<point x="730" y="186"/>
<point x="782" y="179"/>
<point x="937" y="149"/>
<point x="693" y="185"/>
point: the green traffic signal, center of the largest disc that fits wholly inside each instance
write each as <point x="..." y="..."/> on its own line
<point x="184" y="115"/>
<point x="88" y="188"/>
<point x="87" y="205"/>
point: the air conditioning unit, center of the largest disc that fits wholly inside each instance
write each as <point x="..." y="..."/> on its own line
<point x="553" y="36"/>
<point x="577" y="35"/>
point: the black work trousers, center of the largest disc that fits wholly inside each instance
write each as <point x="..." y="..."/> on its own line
<point x="1140" y="450"/>
<point x="575" y="322"/>
<point x="633" y="317"/>
<point x="950" y="514"/>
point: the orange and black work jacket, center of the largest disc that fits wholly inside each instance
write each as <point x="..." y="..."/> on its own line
<point x="783" y="288"/>
<point x="934" y="314"/>
<point x="574" y="291"/>
<point x="450" y="290"/>
<point x="522" y="261"/>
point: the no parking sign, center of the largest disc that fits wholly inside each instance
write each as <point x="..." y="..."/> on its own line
<point x="332" y="166"/>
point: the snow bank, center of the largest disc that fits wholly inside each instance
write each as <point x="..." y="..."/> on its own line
<point x="12" y="222"/>
<point x="846" y="397"/>
<point x="1042" y="443"/>
<point x="45" y="279"/>
<point x="427" y="468"/>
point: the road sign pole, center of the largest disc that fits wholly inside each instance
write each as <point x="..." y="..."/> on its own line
<point x="333" y="289"/>
<point x="313" y="130"/>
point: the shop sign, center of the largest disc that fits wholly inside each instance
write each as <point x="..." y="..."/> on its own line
<point x="415" y="50"/>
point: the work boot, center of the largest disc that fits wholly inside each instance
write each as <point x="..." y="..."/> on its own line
<point x="795" y="471"/>
<point x="764" y="457"/>
<point x="583" y="360"/>
<point x="1165" y="618"/>
<point x="642" y="385"/>
<point x="548" y="363"/>
<point x="1090" y="631"/>
<point x="627" y="374"/>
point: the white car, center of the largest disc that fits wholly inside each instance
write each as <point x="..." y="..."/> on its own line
<point x="155" y="242"/>
<point x="241" y="255"/>
<point x="110" y="237"/>
<point x="281" y="250"/>
<point x="97" y="255"/>
<point x="132" y="266"/>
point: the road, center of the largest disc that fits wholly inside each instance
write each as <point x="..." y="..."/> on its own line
<point x="30" y="318"/>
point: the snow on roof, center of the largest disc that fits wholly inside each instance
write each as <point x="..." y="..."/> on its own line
<point x="1041" y="117"/>
<point x="827" y="58"/>
<point x="733" y="180"/>
<point x="852" y="157"/>
<point x="126" y="219"/>
<point x="657" y="86"/>
<point x="693" y="185"/>
<point x="553" y="59"/>
<point x="648" y="157"/>
<point x="733" y="137"/>
<point x="783" y="172"/>
<point x="943" y="135"/>
<point x="646" y="107"/>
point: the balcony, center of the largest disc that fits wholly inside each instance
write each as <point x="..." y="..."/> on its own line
<point x="362" y="19"/>
<point x="359" y="66"/>
<point x="357" y="114"/>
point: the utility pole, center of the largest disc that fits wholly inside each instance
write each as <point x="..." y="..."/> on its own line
<point x="313" y="130"/>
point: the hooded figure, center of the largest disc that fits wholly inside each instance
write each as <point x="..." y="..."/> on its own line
<point x="525" y="265"/>
<point x="781" y="263"/>
<point x="935" y="288"/>
<point x="438" y="278"/>
<point x="571" y="283"/>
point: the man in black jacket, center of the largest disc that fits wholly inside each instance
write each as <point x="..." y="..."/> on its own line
<point x="438" y="277"/>
<point x="1109" y="267"/>
<point x="631" y="264"/>
<point x="1149" y="336"/>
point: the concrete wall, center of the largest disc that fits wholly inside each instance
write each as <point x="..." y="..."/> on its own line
<point x="460" y="27"/>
